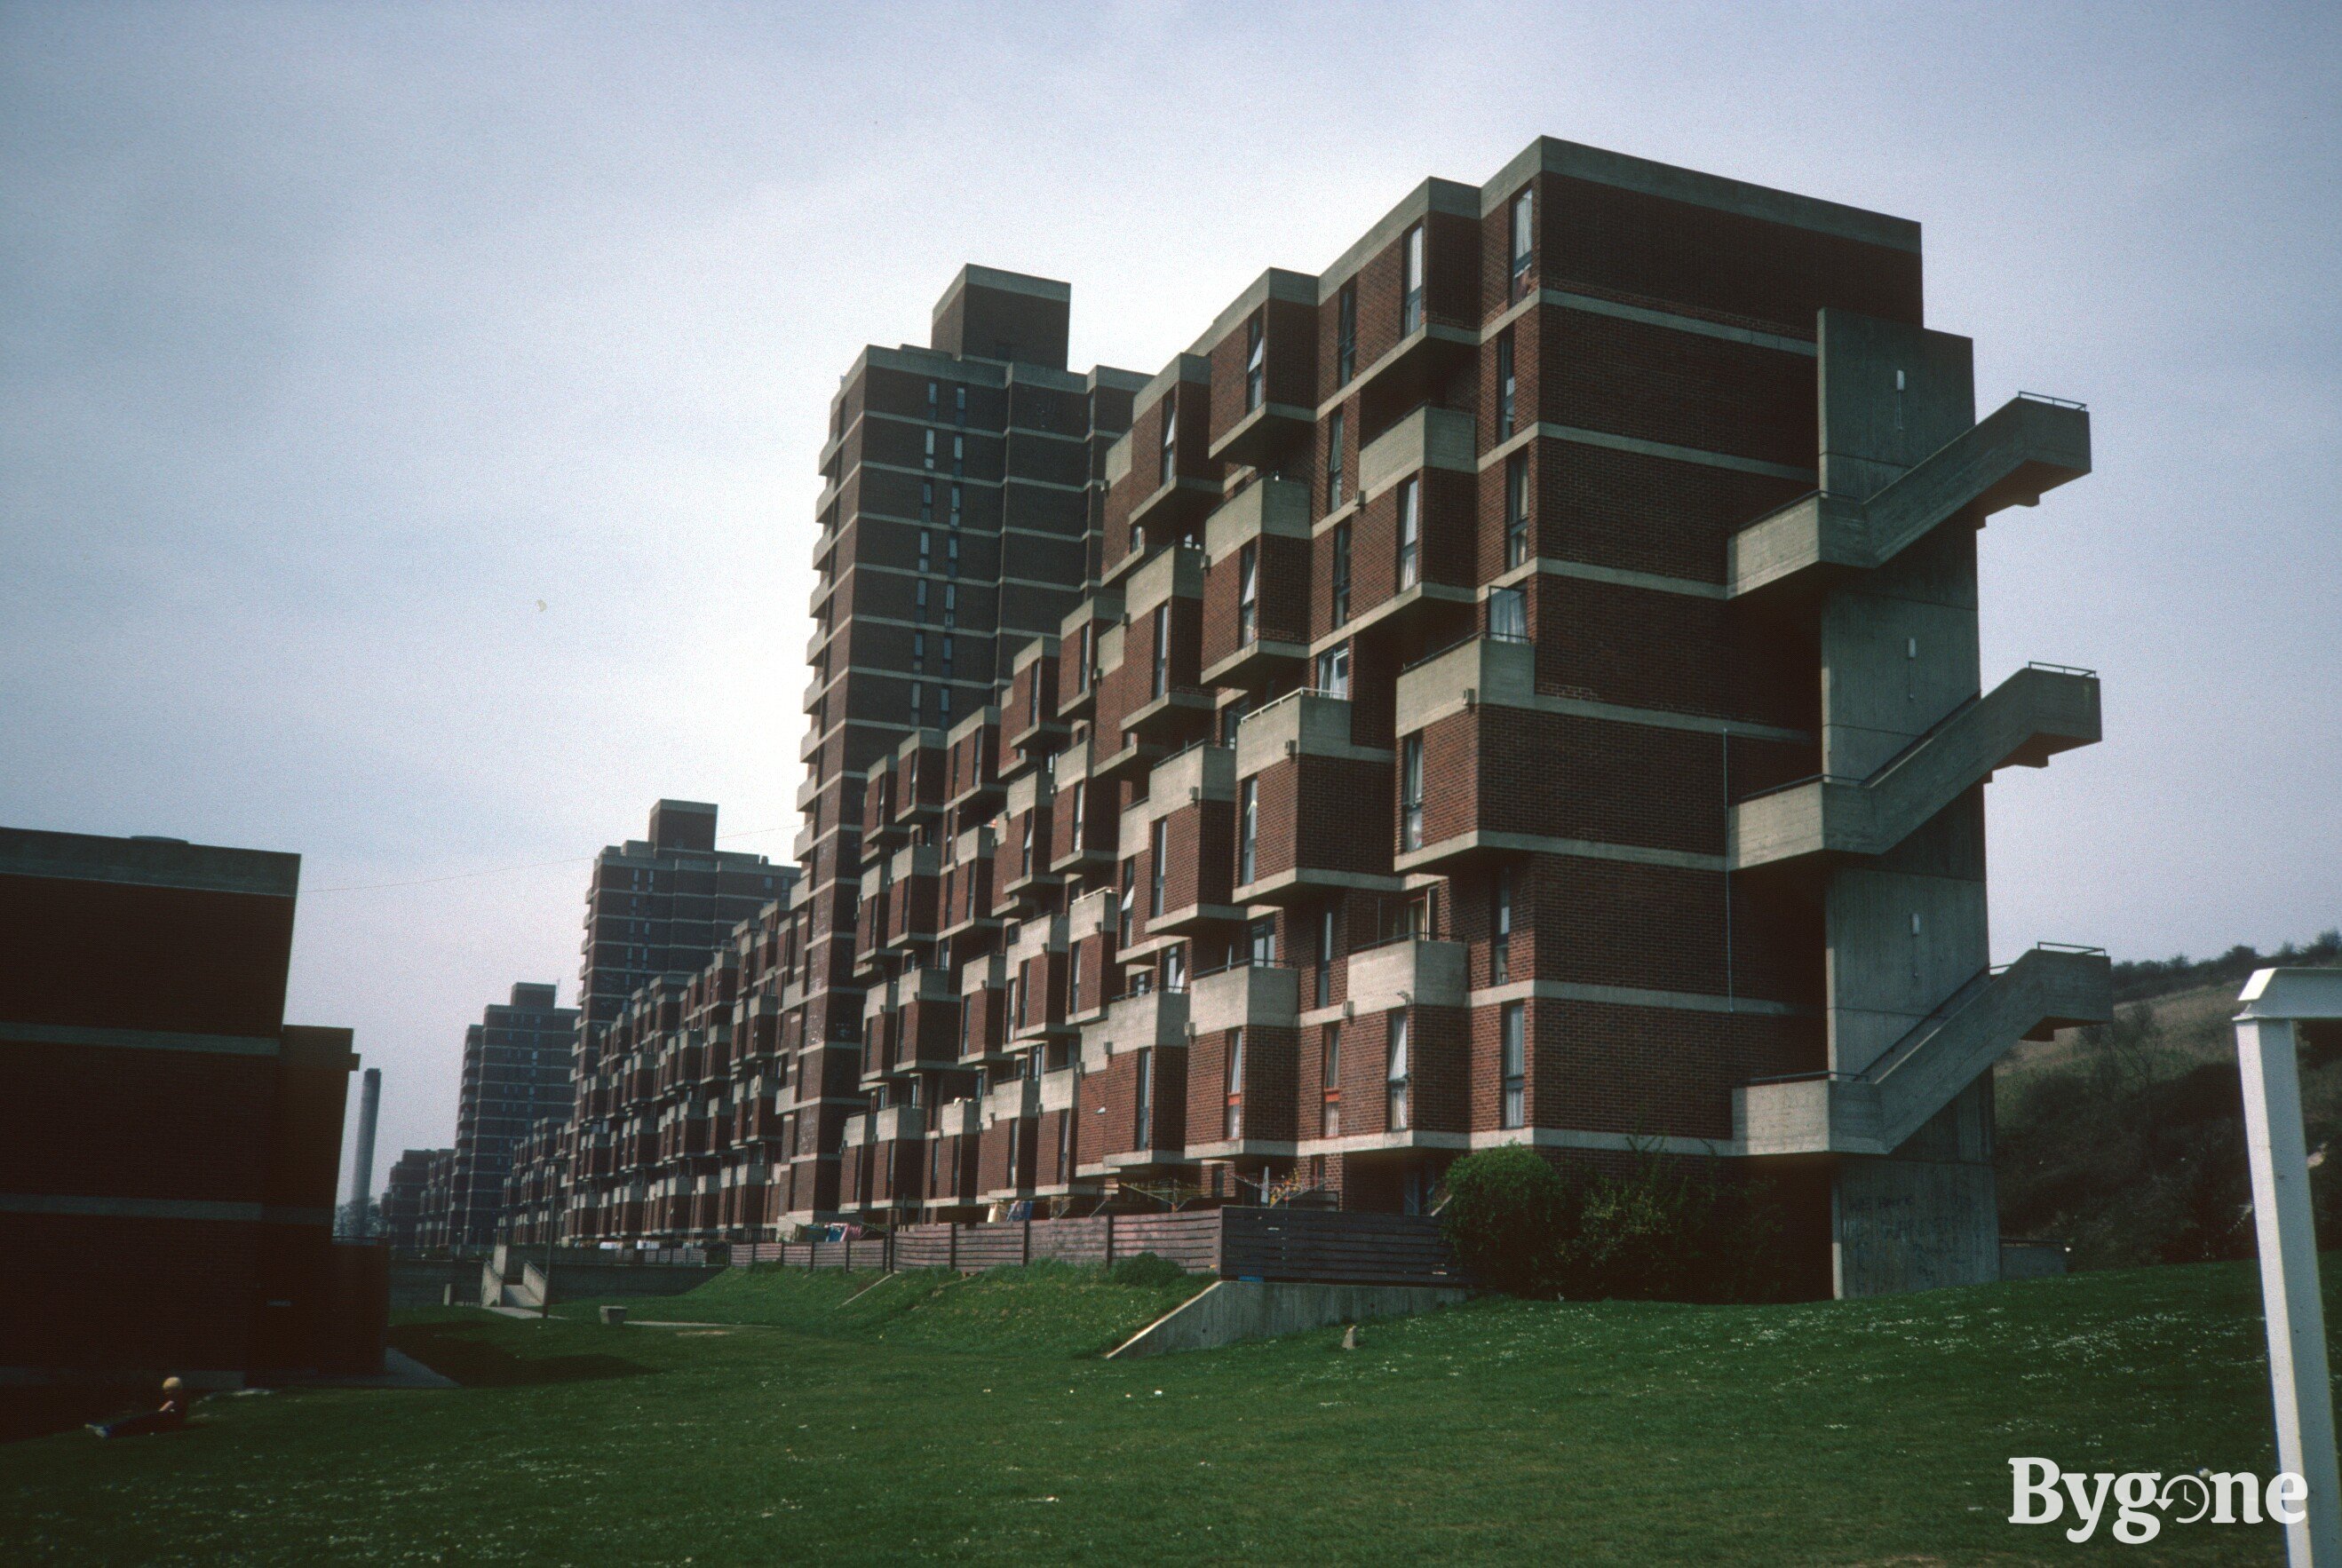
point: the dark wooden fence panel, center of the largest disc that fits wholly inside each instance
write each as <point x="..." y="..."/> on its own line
<point x="830" y="1254"/>
<point x="1191" y="1241"/>
<point x="1337" y="1247"/>
<point x="923" y="1247"/>
<point x="990" y="1246"/>
<point x="1070" y="1241"/>
<point x="871" y="1254"/>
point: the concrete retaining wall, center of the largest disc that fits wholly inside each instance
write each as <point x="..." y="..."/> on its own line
<point x="1236" y="1310"/>
<point x="424" y="1281"/>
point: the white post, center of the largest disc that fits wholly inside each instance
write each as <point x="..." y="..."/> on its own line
<point x="2287" y="1237"/>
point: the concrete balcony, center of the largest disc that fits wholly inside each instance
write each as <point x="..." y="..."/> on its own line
<point x="1429" y="437"/>
<point x="1875" y="1112"/>
<point x="1264" y="433"/>
<point x="1408" y="972"/>
<point x="961" y="1118"/>
<point x="1173" y="510"/>
<point x="897" y="1124"/>
<point x="1250" y="996"/>
<point x="1171" y="718"/>
<point x="2025" y="721"/>
<point x="1413" y="368"/>
<point x="1149" y="1019"/>
<point x="1304" y="856"/>
<point x="2026" y="448"/>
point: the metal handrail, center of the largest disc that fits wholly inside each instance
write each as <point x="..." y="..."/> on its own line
<point x="2052" y="401"/>
<point x="2060" y="669"/>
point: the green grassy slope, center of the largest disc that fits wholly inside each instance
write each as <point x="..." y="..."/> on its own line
<point x="1619" y="1432"/>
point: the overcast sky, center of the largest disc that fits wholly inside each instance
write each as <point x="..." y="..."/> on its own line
<point x="408" y="413"/>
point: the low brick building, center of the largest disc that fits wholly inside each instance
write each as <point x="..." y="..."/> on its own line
<point x="169" y="1146"/>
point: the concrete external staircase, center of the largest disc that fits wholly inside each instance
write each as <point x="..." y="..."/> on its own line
<point x="2027" y="446"/>
<point x="2028" y="718"/>
<point x="1874" y="1111"/>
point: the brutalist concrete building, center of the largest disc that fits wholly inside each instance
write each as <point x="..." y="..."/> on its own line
<point x="1520" y="684"/>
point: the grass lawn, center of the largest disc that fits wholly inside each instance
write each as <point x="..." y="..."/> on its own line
<point x="972" y="1420"/>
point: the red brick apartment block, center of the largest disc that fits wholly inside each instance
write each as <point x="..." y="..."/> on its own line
<point x="169" y="1146"/>
<point x="1517" y="686"/>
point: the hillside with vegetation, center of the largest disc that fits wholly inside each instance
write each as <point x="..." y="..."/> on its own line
<point x="2125" y="1140"/>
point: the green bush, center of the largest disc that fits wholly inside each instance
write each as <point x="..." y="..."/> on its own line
<point x="1664" y="1231"/>
<point x="1150" y="1270"/>
<point x="1509" y="1211"/>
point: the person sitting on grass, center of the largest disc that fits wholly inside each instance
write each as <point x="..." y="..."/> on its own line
<point x="169" y="1417"/>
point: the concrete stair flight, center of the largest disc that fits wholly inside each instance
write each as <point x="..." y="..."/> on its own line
<point x="2029" y="445"/>
<point x="1876" y="1111"/>
<point x="2025" y="721"/>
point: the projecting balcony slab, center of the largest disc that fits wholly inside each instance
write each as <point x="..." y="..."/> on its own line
<point x="2011" y="458"/>
<point x="1413" y="367"/>
<point x="1410" y="971"/>
<point x="2025" y="721"/>
<point x="1497" y="672"/>
<point x="1253" y="995"/>
<point x="1170" y="717"/>
<point x="1150" y="1019"/>
<point x="1443" y="438"/>
<point x="1263" y="433"/>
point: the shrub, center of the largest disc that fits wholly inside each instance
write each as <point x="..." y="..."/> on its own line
<point x="1664" y="1231"/>
<point x="1506" y="1215"/>
<point x="1148" y="1269"/>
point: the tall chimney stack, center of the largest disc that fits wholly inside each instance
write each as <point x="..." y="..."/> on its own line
<point x="362" y="1169"/>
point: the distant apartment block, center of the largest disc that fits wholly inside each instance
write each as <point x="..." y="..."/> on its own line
<point x="403" y="1196"/>
<point x="656" y="910"/>
<point x="516" y="1067"/>
<point x="1521" y="684"/>
<point x="169" y="1146"/>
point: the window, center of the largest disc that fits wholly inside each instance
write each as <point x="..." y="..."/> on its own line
<point x="1331" y="1078"/>
<point x="1261" y="938"/>
<point x="1410" y="280"/>
<point x="919" y="650"/>
<point x="1410" y="534"/>
<point x="1065" y="1146"/>
<point x="1168" y="459"/>
<point x="943" y="704"/>
<point x="927" y="500"/>
<point x="1395" y="1077"/>
<point x="1089" y="655"/>
<point x="1255" y="363"/>
<point x="919" y="597"/>
<point x="959" y="405"/>
<point x="1175" y="968"/>
<point x="951" y="603"/>
<point x="1345" y="333"/>
<point x="1235" y="1083"/>
<point x="1340" y="596"/>
<point x="927" y="547"/>
<point x="1508" y="384"/>
<point x="915" y="701"/>
<point x="1024" y="860"/>
<point x="931" y="407"/>
<point x="1081" y="810"/>
<point x="1410" y="821"/>
<point x="1325" y="957"/>
<point x="1517" y="509"/>
<point x="1500" y="928"/>
<point x="1514" y="1029"/>
<point x="1333" y="672"/>
<point x="1508" y="616"/>
<point x="929" y="456"/>
<point x="1248" y="830"/>
<point x="1248" y="594"/>
<point x="951" y="556"/>
<point x="1141" y="1130"/>
<point x="1158" y="856"/>
<point x="1524" y="221"/>
<point x="1129" y="891"/>
<point x="959" y="454"/>
<point x="1159" y="681"/>
<point x="1073" y="979"/>
<point x="954" y="506"/>
<point x="1334" y="460"/>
